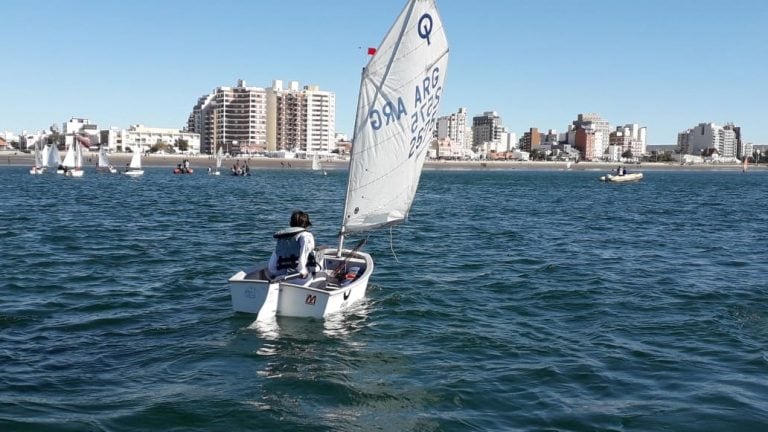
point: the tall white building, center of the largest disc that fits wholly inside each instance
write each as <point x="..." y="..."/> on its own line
<point x="706" y="136"/>
<point x="247" y="119"/>
<point x="454" y="127"/>
<point x="232" y="118"/>
<point x="300" y="119"/>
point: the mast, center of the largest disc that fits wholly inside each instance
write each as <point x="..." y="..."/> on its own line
<point x="349" y="166"/>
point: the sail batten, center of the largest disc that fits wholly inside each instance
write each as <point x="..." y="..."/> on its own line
<point x="400" y="94"/>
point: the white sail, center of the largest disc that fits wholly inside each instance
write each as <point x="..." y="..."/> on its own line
<point x="399" y="100"/>
<point x="54" y="159"/>
<point x="103" y="158"/>
<point x="315" y="163"/>
<point x="219" y="157"/>
<point x="46" y="156"/>
<point x="136" y="159"/>
<point x="38" y="156"/>
<point x="69" y="157"/>
<point x="78" y="155"/>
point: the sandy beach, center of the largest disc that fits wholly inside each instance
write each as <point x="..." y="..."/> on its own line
<point x="202" y="162"/>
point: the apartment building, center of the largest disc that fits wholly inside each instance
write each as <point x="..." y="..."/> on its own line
<point x="245" y="119"/>
<point x="625" y="138"/>
<point x="126" y="139"/>
<point x="486" y="128"/>
<point x="300" y="119"/>
<point x="593" y="124"/>
<point x="705" y="136"/>
<point x="231" y="118"/>
<point x="454" y="128"/>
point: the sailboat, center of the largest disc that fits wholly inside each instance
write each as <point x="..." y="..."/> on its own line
<point x="134" y="168"/>
<point x="73" y="160"/>
<point x="104" y="166"/>
<point x="39" y="166"/>
<point x="219" y="158"/>
<point x="316" y="164"/>
<point x="400" y="93"/>
<point x="54" y="159"/>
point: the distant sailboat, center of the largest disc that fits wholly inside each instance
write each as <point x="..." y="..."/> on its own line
<point x="104" y="166"/>
<point x="39" y="166"/>
<point x="73" y="160"/>
<point x="134" y="168"/>
<point x="745" y="165"/>
<point x="54" y="159"/>
<point x="219" y="158"/>
<point x="316" y="166"/>
<point x="400" y="94"/>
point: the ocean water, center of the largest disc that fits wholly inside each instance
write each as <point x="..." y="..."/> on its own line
<point x="511" y="300"/>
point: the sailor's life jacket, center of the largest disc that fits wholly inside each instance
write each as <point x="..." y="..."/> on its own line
<point x="288" y="248"/>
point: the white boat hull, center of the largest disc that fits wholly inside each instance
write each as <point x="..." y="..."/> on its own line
<point x="626" y="178"/>
<point x="74" y="173"/>
<point x="314" y="298"/>
<point x="134" y="173"/>
<point x="37" y="170"/>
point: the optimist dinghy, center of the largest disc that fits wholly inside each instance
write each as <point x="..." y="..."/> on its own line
<point x="400" y="93"/>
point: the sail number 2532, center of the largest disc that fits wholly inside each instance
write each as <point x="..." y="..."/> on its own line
<point x="426" y="101"/>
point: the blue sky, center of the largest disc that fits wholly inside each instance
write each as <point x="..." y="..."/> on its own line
<point x="665" y="64"/>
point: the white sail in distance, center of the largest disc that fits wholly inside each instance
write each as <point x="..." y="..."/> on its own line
<point x="69" y="157"/>
<point x="136" y="158"/>
<point x="54" y="159"/>
<point x="400" y="95"/>
<point x="46" y="156"/>
<point x="103" y="158"/>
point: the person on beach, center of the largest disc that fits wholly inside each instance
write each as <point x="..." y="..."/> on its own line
<point x="294" y="251"/>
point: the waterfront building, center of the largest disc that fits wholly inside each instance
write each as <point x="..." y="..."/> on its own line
<point x="232" y="118"/>
<point x="597" y="126"/>
<point x="625" y="138"/>
<point x="741" y="150"/>
<point x="454" y="127"/>
<point x="486" y="128"/>
<point x="585" y="139"/>
<point x="124" y="139"/>
<point x="300" y="119"/>
<point x="79" y="126"/>
<point x="704" y="136"/>
<point x="245" y="119"/>
<point x="531" y="140"/>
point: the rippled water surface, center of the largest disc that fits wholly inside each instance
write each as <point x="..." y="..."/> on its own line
<point x="511" y="300"/>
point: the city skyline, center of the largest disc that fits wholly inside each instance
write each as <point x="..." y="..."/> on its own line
<point x="666" y="66"/>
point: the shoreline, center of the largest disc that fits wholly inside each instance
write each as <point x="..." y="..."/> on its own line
<point x="202" y="162"/>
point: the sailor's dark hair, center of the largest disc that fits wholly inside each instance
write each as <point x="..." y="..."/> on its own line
<point x="300" y="219"/>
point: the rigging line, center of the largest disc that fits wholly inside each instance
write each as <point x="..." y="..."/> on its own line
<point x="391" y="247"/>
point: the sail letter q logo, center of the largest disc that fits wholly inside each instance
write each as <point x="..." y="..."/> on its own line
<point x="425" y="27"/>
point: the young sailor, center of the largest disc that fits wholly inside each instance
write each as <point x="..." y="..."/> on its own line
<point x="294" y="251"/>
